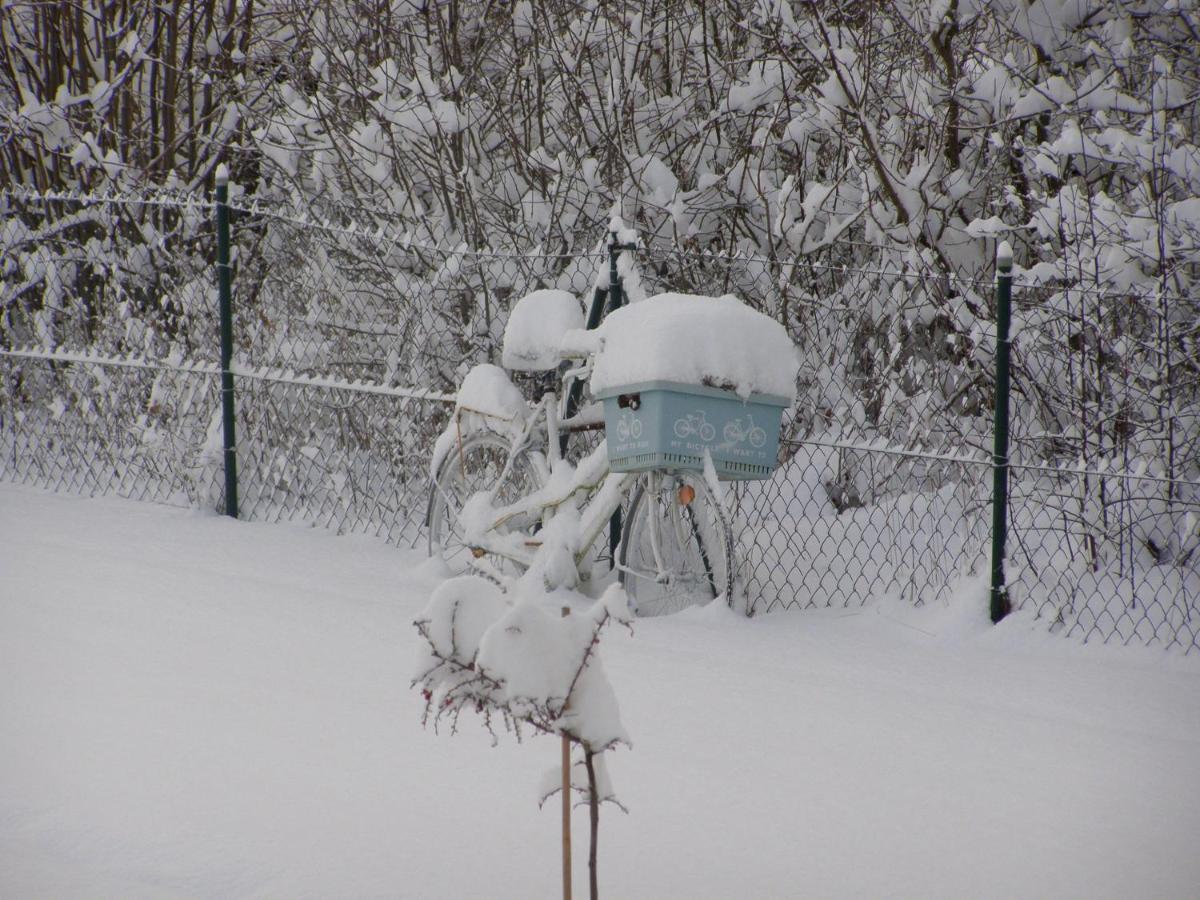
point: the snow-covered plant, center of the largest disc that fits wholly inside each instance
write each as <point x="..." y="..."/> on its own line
<point x="519" y="658"/>
<point x="526" y="660"/>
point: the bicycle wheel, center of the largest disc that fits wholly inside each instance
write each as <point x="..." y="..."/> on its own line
<point x="477" y="466"/>
<point x="679" y="513"/>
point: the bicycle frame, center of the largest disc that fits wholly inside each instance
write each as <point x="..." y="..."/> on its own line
<point x="588" y="486"/>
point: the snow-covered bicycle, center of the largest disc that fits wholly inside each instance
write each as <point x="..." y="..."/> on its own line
<point x="506" y="499"/>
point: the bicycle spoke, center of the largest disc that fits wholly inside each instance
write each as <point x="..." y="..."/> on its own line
<point x="677" y="550"/>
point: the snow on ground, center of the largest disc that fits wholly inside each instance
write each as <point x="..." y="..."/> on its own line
<point x="196" y="707"/>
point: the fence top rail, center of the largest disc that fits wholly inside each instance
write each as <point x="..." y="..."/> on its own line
<point x="361" y="386"/>
<point x="1101" y="471"/>
<point x="386" y="232"/>
<point x="123" y="361"/>
<point x="177" y="199"/>
<point x="1026" y="280"/>
<point x="971" y="459"/>
<point x="984" y="460"/>
<point x="255" y="373"/>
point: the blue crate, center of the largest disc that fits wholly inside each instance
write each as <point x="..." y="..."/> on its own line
<point x="667" y="425"/>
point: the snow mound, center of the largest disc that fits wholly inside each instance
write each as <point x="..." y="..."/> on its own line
<point x="688" y="338"/>
<point x="459" y="613"/>
<point x="487" y="400"/>
<point x="488" y="391"/>
<point x="535" y="329"/>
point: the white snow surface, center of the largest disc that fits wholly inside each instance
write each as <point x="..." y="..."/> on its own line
<point x="693" y="339"/>
<point x="535" y="328"/>
<point x="198" y="707"/>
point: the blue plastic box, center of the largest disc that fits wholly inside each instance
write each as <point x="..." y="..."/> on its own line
<point x="667" y="425"/>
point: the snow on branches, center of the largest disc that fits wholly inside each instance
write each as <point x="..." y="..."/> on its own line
<point x="518" y="659"/>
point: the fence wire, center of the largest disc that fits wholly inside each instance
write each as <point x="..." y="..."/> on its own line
<point x="334" y="457"/>
<point x="1107" y="453"/>
<point x="93" y="426"/>
<point x="351" y="337"/>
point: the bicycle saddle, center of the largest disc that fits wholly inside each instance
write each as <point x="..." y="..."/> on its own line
<point x="536" y="327"/>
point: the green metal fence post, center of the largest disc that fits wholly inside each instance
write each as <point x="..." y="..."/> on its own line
<point x="1000" y="461"/>
<point x="224" y="295"/>
<point x="615" y="299"/>
<point x="614" y="277"/>
<point x="616" y="290"/>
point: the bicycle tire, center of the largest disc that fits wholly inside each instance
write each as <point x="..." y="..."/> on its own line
<point x="696" y="544"/>
<point x="477" y="466"/>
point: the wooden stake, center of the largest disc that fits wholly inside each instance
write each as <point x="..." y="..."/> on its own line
<point x="566" y="813"/>
<point x="566" y="805"/>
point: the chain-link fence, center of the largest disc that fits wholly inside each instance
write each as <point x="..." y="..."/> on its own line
<point x="1106" y="504"/>
<point x="887" y="485"/>
<point x="107" y="363"/>
<point x="350" y="339"/>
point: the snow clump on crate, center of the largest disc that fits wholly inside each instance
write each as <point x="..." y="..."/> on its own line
<point x="692" y="339"/>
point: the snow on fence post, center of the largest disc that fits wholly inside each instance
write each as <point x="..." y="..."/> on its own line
<point x="225" y="302"/>
<point x="1000" y="461"/>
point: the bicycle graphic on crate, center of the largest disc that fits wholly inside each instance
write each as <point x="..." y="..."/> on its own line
<point x="735" y="432"/>
<point x="695" y="424"/>
<point x="628" y="427"/>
